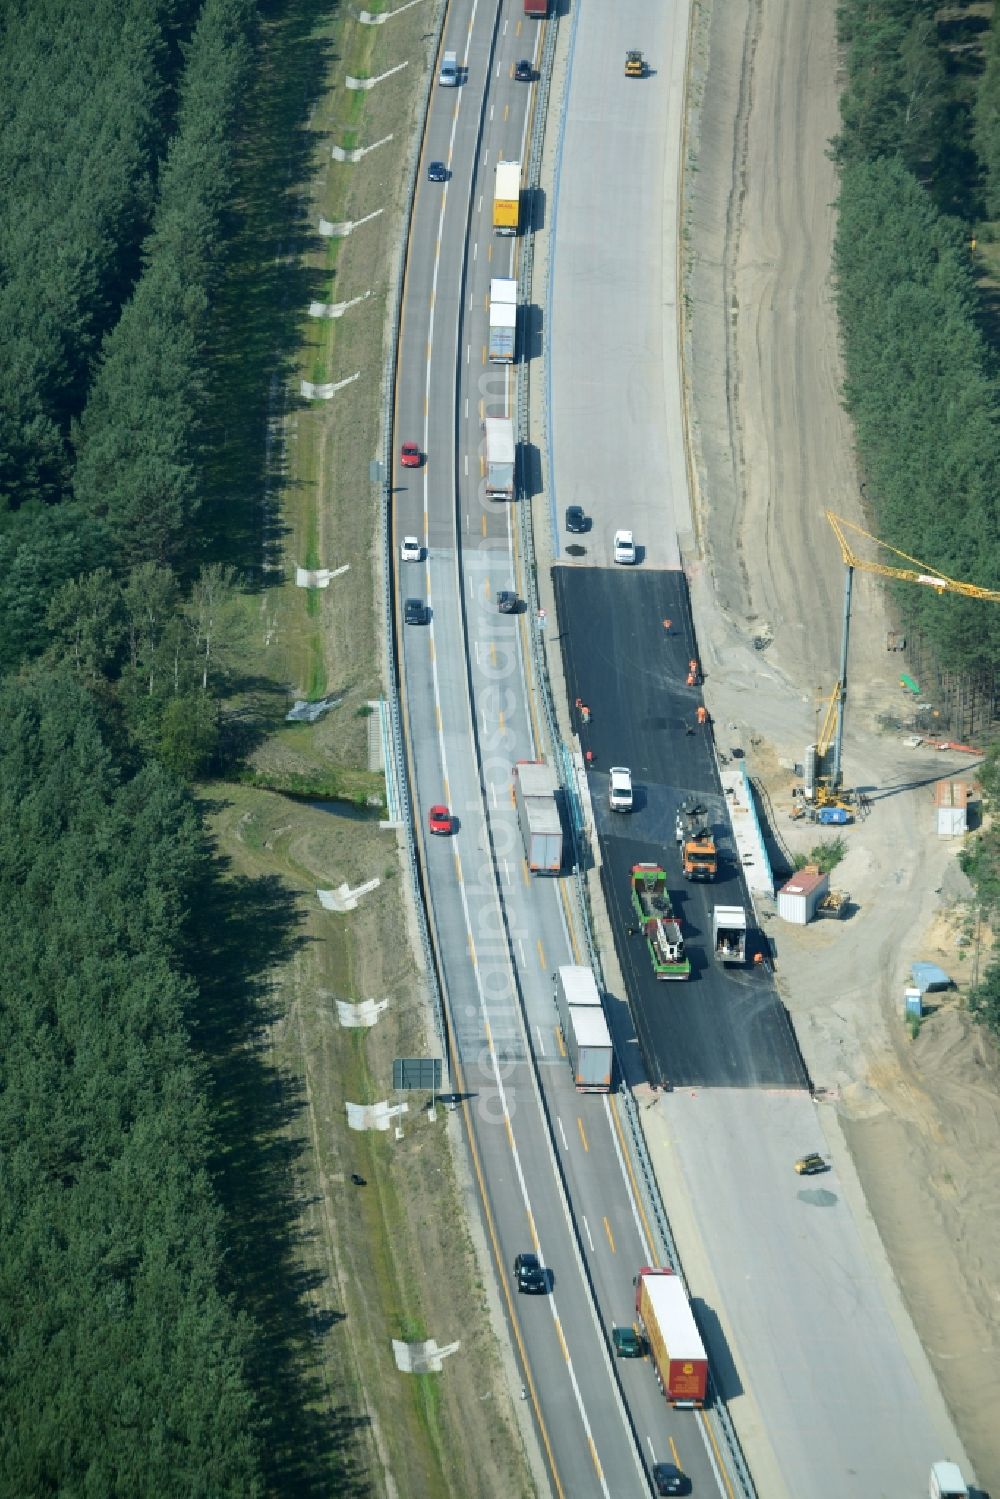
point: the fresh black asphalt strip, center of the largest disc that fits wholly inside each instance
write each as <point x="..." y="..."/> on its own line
<point x="720" y="1028"/>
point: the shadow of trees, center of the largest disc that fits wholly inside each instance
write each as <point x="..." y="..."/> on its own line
<point x="263" y="302"/>
<point x="240" y="929"/>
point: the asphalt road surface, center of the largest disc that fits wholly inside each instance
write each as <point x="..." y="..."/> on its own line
<point x="554" y="1174"/>
<point x="721" y="1028"/>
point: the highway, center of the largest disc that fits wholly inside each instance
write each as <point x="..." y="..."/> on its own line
<point x="538" y="1145"/>
<point x="812" y="1348"/>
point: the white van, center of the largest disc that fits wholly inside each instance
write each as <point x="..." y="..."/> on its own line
<point x="620" y="789"/>
<point x="448" y="77"/>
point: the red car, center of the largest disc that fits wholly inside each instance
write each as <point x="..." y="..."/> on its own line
<point x="409" y="455"/>
<point x="439" y="819"/>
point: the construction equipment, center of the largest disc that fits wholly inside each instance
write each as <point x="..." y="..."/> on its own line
<point x="699" y="857"/>
<point x="635" y="65"/>
<point x="834" y="905"/>
<point x="917" y="572"/>
<point x="657" y="922"/>
<point x="729" y="934"/>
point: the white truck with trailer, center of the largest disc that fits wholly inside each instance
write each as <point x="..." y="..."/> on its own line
<point x="535" y="788"/>
<point x="503" y="320"/>
<point x="584" y="1028"/>
<point x="499" y="458"/>
<point x="729" y="934"/>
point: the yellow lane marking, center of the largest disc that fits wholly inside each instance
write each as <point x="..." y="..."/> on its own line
<point x="433" y="657"/>
<point x="472" y="955"/>
<point x="637" y="1195"/>
<point x="541" y="953"/>
<point x="437" y="715"/>
<point x="594" y="1458"/>
<point x="501" y="722"/>
<point x="722" y="1465"/>
<point x="447" y="788"/>
<point x="533" y="1231"/>
<point x="674" y="1453"/>
<point x="458" y="868"/>
<point x="484" y="356"/>
<point x="493" y="644"/>
<point x="583" y="1134"/>
<point x="562" y="1340"/>
<point x="526" y="872"/>
<point x="559" y="1041"/>
<point x="484" y="522"/>
<point x="611" y="1237"/>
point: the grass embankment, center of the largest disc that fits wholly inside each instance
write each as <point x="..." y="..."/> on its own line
<point x="392" y="1259"/>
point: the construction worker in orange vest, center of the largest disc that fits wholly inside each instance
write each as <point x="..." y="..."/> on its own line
<point x="702" y="714"/>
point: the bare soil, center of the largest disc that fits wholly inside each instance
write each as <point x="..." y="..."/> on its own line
<point x="773" y="450"/>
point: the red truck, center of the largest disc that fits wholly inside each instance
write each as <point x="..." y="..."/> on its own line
<point x="539" y="8"/>
<point x="675" y="1345"/>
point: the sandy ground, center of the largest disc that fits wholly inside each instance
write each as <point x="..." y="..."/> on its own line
<point x="772" y="450"/>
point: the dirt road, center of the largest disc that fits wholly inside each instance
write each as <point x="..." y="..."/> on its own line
<point x="772" y="450"/>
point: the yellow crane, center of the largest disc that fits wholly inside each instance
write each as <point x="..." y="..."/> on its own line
<point x="918" y="572"/>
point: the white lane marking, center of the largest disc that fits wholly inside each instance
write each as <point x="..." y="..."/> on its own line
<point x="652" y="1450"/>
<point x="483" y="1006"/>
<point x="586" y="1229"/>
<point x="541" y="1043"/>
<point x="563" y="1133"/>
<point x="636" y="1215"/>
<point x="520" y="948"/>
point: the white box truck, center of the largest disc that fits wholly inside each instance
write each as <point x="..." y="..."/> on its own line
<point x="503" y="320"/>
<point x="947" y="1482"/>
<point x="448" y="76"/>
<point x="584" y="1028"/>
<point x="499" y="458"/>
<point x="538" y="814"/>
<point x="729" y="934"/>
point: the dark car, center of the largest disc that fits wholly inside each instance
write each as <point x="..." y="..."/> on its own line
<point x="437" y="172"/>
<point x="576" y="521"/>
<point x="415" y="612"/>
<point x="523" y="71"/>
<point x="809" y="1165"/>
<point x="507" y="601"/>
<point x="530" y="1276"/>
<point x="628" y="1343"/>
<point x="669" y="1479"/>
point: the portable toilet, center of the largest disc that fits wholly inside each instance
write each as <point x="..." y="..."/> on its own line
<point x="798" y="899"/>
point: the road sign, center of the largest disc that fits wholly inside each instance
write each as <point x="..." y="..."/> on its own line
<point x="417" y="1072"/>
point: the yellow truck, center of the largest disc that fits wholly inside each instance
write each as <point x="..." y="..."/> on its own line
<point x="635" y="66"/>
<point x="507" y="198"/>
